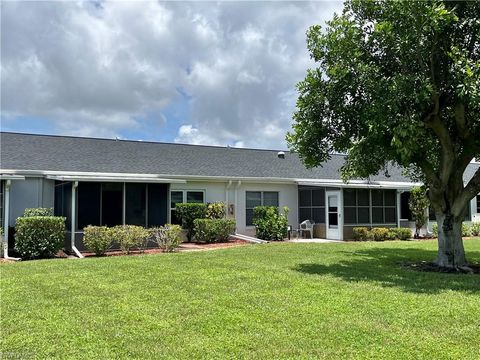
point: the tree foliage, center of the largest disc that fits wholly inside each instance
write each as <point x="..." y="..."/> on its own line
<point x="397" y="83"/>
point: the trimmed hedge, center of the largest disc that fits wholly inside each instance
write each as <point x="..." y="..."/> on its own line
<point x="472" y="229"/>
<point x="401" y="233"/>
<point x="269" y="223"/>
<point x="188" y="212"/>
<point x="381" y="234"/>
<point x="214" y="230"/>
<point x="39" y="236"/>
<point x="167" y="237"/>
<point x="38" y="212"/>
<point x="97" y="239"/>
<point x="130" y="237"/>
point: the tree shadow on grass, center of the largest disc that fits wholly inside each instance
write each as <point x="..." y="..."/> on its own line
<point x="386" y="266"/>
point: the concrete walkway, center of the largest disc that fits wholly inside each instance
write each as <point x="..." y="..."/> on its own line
<point x="314" y="240"/>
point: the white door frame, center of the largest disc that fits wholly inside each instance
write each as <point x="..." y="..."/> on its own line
<point x="334" y="233"/>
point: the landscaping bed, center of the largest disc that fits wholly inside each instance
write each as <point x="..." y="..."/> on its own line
<point x="193" y="246"/>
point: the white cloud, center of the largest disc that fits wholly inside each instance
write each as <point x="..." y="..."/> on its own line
<point x="100" y="69"/>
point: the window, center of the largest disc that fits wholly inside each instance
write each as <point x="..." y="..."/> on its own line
<point x="184" y="196"/>
<point x="258" y="198"/>
<point x="311" y="204"/>
<point x="366" y="207"/>
<point x="356" y="206"/>
<point x="478" y="204"/>
<point x="405" y="212"/>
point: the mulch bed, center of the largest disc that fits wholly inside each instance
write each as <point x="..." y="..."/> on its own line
<point x="432" y="267"/>
<point x="184" y="247"/>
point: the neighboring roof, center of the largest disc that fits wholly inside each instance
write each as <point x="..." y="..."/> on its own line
<point x="470" y="171"/>
<point x="77" y="154"/>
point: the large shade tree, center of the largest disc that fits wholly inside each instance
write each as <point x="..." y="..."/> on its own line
<point x="398" y="83"/>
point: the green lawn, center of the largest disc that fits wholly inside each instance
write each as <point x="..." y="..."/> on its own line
<point x="331" y="301"/>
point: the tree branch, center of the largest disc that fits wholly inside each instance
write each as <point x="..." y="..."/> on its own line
<point x="468" y="193"/>
<point x="462" y="128"/>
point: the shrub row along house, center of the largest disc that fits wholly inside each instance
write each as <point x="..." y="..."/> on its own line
<point x="111" y="182"/>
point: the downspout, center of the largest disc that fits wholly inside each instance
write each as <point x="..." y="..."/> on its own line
<point x="227" y="188"/>
<point x="72" y="232"/>
<point x="6" y="221"/>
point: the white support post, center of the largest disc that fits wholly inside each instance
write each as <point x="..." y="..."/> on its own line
<point x="6" y="219"/>
<point x="124" y="201"/>
<point x="398" y="208"/>
<point x="73" y="220"/>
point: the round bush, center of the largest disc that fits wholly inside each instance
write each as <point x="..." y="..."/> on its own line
<point x="97" y="239"/>
<point x="39" y="236"/>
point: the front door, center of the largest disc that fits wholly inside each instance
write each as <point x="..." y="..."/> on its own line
<point x="333" y="211"/>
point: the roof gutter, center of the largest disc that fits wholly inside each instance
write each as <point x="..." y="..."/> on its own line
<point x="157" y="177"/>
<point x="143" y="179"/>
<point x="359" y="184"/>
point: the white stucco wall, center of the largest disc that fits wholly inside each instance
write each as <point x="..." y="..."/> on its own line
<point x="30" y="193"/>
<point x="288" y="196"/>
<point x="216" y="191"/>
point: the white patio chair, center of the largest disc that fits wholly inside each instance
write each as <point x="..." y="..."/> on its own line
<point x="307" y="225"/>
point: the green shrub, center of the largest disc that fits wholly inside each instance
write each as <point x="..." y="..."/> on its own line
<point x="360" y="233"/>
<point x="380" y="234"/>
<point x="269" y="223"/>
<point x="216" y="210"/>
<point x="418" y="204"/>
<point x="39" y="236"/>
<point x="476" y="228"/>
<point x="38" y="212"/>
<point x="400" y="234"/>
<point x="214" y="230"/>
<point x="97" y="239"/>
<point x="188" y="213"/>
<point x="167" y="237"/>
<point x="466" y="230"/>
<point x="129" y="237"/>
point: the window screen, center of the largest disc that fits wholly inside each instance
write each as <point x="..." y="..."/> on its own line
<point x="88" y="204"/>
<point x="311" y="205"/>
<point x="136" y="204"/>
<point x="112" y="204"/>
<point x="63" y="202"/>
<point x="157" y="204"/>
<point x="361" y="204"/>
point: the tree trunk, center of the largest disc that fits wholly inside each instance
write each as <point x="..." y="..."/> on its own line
<point x="450" y="244"/>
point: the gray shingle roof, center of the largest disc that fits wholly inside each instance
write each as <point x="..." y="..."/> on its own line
<point x="65" y="153"/>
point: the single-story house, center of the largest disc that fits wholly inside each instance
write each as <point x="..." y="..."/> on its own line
<point x="110" y="182"/>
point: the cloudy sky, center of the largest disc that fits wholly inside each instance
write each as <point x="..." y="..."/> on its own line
<point x="190" y="72"/>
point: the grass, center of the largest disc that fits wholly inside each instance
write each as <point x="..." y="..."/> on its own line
<point x="331" y="301"/>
